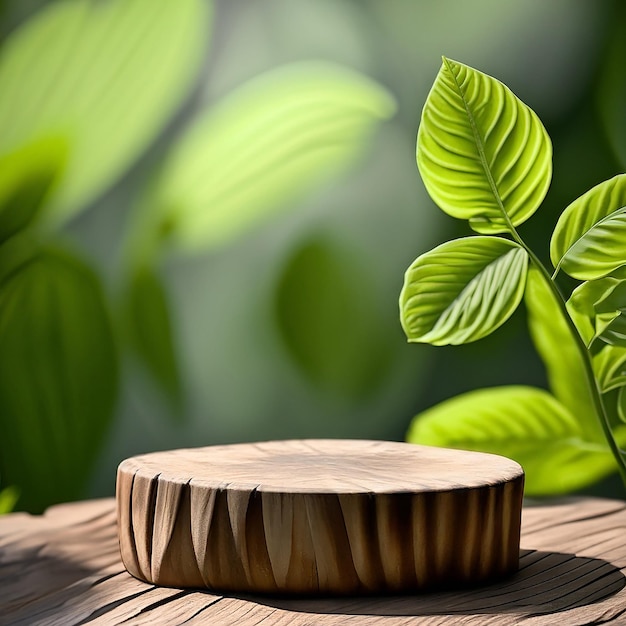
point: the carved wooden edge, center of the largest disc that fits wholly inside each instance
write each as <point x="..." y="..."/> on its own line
<point x="184" y="535"/>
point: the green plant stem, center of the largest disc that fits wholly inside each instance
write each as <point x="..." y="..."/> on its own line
<point x="592" y="384"/>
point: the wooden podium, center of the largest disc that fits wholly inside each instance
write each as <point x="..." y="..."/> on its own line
<point x="319" y="517"/>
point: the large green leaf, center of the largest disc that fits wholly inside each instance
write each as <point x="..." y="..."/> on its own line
<point x="557" y="348"/>
<point x="149" y="330"/>
<point x="259" y="149"/>
<point x="482" y="153"/>
<point x="104" y="77"/>
<point x="588" y="238"/>
<point x="462" y="290"/>
<point x="58" y="378"/>
<point x="325" y="318"/>
<point x="526" y="424"/>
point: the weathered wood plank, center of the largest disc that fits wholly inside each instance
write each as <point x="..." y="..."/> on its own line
<point x="64" y="569"/>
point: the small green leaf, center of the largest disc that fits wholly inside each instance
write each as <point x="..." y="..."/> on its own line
<point x="586" y="239"/>
<point x="325" y="318"/>
<point x="526" y="424"/>
<point x="149" y="330"/>
<point x="598" y="308"/>
<point x="462" y="290"/>
<point x="103" y="76"/>
<point x="615" y="330"/>
<point x="59" y="378"/>
<point x="482" y="153"/>
<point x="260" y="149"/>
<point x="609" y="366"/>
<point x="8" y="499"/>
<point x="27" y="178"/>
<point x="581" y="306"/>
<point x="556" y="347"/>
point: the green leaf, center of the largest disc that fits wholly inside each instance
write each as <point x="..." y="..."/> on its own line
<point x="59" y="378"/>
<point x="609" y="366"/>
<point x="102" y="76"/>
<point x="587" y="239"/>
<point x="615" y="331"/>
<point x="611" y="315"/>
<point x="261" y="148"/>
<point x="149" y="330"/>
<point x="325" y="318"/>
<point x="482" y="153"/>
<point x="27" y="177"/>
<point x="582" y="304"/>
<point x="598" y="308"/>
<point x="557" y="348"/>
<point x="526" y="424"/>
<point x="462" y="290"/>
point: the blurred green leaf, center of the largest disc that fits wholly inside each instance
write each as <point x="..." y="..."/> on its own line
<point x="329" y="323"/>
<point x="462" y="290"/>
<point x="263" y="146"/>
<point x="105" y="77"/>
<point x="148" y="327"/>
<point x="611" y="91"/>
<point x="555" y="345"/>
<point x="8" y="499"/>
<point x="27" y="177"/>
<point x="483" y="154"/>
<point x="58" y="377"/>
<point x="16" y="252"/>
<point x="584" y="242"/>
<point x="526" y="424"/>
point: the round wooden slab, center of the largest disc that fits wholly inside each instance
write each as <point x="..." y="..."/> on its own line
<point x="319" y="517"/>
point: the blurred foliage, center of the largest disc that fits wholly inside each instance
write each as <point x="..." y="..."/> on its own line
<point x="319" y="295"/>
<point x="268" y="142"/>
<point x="8" y="498"/>
<point x="611" y="91"/>
<point x="105" y="77"/>
<point x="59" y="376"/>
<point x="147" y="328"/>
<point x="263" y="145"/>
<point x="125" y="166"/>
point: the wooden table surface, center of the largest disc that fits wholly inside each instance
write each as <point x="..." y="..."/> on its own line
<point x="64" y="569"/>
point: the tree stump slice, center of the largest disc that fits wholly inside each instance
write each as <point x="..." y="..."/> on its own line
<point x="321" y="517"/>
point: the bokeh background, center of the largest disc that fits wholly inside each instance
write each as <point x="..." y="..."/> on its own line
<point x="289" y="327"/>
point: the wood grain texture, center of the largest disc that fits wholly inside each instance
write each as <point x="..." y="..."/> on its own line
<point x="64" y="569"/>
<point x="319" y="517"/>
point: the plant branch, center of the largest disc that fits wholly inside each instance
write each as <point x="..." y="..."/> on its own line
<point x="592" y="384"/>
